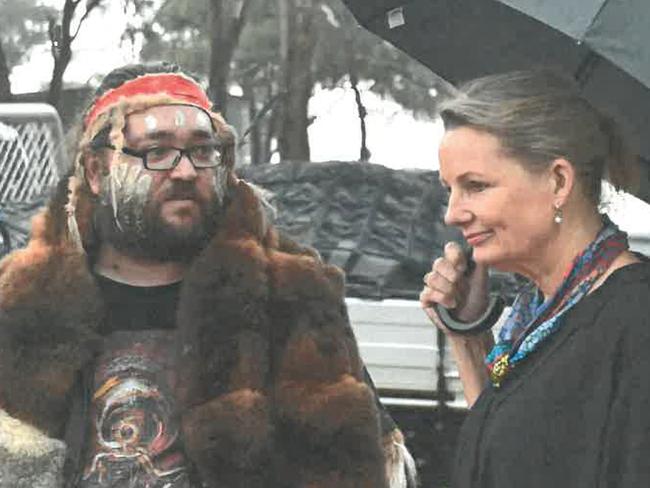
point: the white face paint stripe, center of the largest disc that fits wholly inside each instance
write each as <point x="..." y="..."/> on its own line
<point x="128" y="192"/>
<point x="151" y="123"/>
<point x="179" y="118"/>
<point x="203" y="120"/>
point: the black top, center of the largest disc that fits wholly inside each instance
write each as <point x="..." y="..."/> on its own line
<point x="576" y="412"/>
<point x="138" y="307"/>
<point x="131" y="435"/>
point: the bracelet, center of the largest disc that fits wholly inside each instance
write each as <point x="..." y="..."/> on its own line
<point x="485" y="322"/>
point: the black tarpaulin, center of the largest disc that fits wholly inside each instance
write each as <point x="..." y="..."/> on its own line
<point x="383" y="227"/>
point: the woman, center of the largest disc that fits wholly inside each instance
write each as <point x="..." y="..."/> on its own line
<point x="563" y="398"/>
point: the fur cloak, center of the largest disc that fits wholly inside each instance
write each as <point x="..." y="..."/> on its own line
<point x="272" y="389"/>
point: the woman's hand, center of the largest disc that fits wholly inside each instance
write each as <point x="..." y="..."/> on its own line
<point x="467" y="298"/>
<point x="448" y="285"/>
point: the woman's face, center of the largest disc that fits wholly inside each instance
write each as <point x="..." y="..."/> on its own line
<point x="504" y="211"/>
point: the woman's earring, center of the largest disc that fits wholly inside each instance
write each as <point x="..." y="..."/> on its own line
<point x="557" y="218"/>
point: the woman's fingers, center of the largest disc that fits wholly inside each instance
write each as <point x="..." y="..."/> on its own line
<point x="449" y="285"/>
<point x="455" y="256"/>
<point x="447" y="270"/>
<point x="436" y="281"/>
<point x="446" y="283"/>
<point x="430" y="296"/>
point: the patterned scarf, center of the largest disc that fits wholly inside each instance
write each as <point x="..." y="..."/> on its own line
<point x="532" y="320"/>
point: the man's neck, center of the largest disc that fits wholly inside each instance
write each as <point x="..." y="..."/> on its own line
<point x="117" y="266"/>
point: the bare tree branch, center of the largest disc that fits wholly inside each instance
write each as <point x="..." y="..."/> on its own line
<point x="224" y="34"/>
<point x="61" y="41"/>
<point x="89" y="7"/>
<point x="364" y="152"/>
<point x="262" y="112"/>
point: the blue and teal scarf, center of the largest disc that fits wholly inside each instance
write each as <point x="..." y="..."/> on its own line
<point x="532" y="319"/>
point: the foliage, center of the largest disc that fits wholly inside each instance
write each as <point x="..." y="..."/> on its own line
<point x="349" y="50"/>
<point x="63" y="30"/>
<point x="344" y="52"/>
<point x="177" y="32"/>
<point x="259" y="47"/>
<point x="23" y="24"/>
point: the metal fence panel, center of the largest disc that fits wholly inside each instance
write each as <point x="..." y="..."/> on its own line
<point x="32" y="159"/>
<point x="32" y="156"/>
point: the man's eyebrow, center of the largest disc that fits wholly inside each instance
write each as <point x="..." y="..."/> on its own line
<point x="160" y="135"/>
<point x="154" y="135"/>
<point x="203" y="134"/>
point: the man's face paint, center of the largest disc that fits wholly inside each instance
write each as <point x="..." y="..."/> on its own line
<point x="220" y="182"/>
<point x="151" y="123"/>
<point x="131" y="217"/>
<point x="179" y="118"/>
<point x="203" y="121"/>
<point x="126" y="190"/>
<point x="162" y="214"/>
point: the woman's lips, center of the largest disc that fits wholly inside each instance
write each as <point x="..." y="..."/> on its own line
<point x="476" y="238"/>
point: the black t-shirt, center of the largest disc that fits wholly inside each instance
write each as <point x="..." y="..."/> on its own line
<point x="133" y="421"/>
<point x="133" y="308"/>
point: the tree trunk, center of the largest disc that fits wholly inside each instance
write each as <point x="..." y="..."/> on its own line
<point x="271" y="126"/>
<point x="253" y="135"/>
<point x="56" y="82"/>
<point x="227" y="19"/>
<point x="298" y="81"/>
<point x="61" y="39"/>
<point x="219" y="59"/>
<point x="5" y="84"/>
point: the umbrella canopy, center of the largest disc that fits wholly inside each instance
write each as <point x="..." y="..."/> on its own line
<point x="604" y="44"/>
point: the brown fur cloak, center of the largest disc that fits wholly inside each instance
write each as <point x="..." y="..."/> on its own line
<point x="272" y="390"/>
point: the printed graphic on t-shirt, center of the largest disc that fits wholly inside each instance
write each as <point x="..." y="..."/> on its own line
<point x="134" y="420"/>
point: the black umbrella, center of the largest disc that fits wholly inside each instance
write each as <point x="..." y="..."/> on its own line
<point x="604" y="44"/>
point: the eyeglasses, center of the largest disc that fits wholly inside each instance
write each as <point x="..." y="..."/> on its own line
<point x="165" y="158"/>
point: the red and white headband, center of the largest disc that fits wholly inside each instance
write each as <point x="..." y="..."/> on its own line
<point x="176" y="86"/>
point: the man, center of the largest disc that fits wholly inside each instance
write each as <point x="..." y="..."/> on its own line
<point x="161" y="328"/>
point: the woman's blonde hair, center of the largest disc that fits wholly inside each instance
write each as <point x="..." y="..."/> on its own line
<point x="539" y="116"/>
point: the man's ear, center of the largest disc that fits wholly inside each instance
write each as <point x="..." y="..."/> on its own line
<point x="562" y="180"/>
<point x="94" y="164"/>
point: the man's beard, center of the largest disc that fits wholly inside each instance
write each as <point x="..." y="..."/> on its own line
<point x="128" y="218"/>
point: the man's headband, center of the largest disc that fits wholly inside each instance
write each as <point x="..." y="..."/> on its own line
<point x="177" y="86"/>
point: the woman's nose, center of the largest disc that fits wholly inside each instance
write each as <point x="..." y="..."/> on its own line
<point x="456" y="213"/>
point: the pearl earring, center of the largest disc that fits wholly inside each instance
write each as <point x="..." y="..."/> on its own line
<point x="557" y="218"/>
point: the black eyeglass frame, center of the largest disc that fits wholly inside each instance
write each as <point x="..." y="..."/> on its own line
<point x="181" y="152"/>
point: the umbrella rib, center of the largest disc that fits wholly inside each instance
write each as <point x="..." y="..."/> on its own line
<point x="593" y="20"/>
<point x="586" y="68"/>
